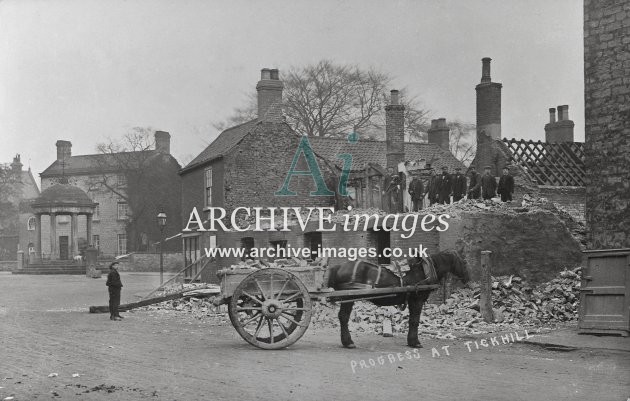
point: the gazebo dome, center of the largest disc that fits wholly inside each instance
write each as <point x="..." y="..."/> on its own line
<point x="63" y="195"/>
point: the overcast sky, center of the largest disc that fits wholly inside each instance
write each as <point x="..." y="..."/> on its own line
<point x="87" y="70"/>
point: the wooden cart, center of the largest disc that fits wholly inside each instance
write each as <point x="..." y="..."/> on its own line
<point x="272" y="308"/>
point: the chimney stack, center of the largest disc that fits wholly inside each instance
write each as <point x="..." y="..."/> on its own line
<point x="163" y="142"/>
<point x="561" y="130"/>
<point x="439" y="133"/>
<point x="395" y="131"/>
<point x="488" y="105"/>
<point x="16" y="166"/>
<point x="64" y="149"/>
<point x="270" y="95"/>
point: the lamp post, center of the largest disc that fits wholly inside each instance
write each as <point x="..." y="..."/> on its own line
<point x="161" y="220"/>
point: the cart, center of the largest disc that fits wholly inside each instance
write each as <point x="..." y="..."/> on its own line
<point x="271" y="308"/>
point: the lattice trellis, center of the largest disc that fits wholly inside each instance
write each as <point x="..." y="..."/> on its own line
<point x="558" y="164"/>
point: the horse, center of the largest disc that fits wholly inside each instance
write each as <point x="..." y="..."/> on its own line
<point x="343" y="277"/>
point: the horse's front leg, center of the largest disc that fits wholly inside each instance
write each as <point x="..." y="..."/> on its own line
<point x="416" y="302"/>
<point x="344" y="317"/>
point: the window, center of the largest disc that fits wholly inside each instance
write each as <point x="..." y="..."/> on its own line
<point x="123" y="211"/>
<point x="247" y="243"/>
<point x="281" y="244"/>
<point x="121" y="180"/>
<point x="208" y="185"/>
<point x="32" y="223"/>
<point x="122" y="244"/>
<point x="96" y="242"/>
<point x="97" y="213"/>
<point x="313" y="240"/>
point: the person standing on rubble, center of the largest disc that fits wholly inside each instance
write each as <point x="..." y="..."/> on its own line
<point x="474" y="191"/>
<point x="392" y="184"/>
<point x="445" y="187"/>
<point x="114" y="285"/>
<point x="432" y="187"/>
<point x="506" y="186"/>
<point x="488" y="184"/>
<point x="416" y="190"/>
<point x="459" y="184"/>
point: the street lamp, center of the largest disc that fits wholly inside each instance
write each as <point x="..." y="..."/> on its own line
<point x="161" y="220"/>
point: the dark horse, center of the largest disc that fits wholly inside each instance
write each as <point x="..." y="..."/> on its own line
<point x="342" y="277"/>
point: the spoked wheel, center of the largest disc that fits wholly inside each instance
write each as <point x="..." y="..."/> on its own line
<point x="270" y="309"/>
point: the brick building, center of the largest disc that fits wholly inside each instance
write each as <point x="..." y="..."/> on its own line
<point x="246" y="166"/>
<point x="607" y="114"/>
<point x="553" y="169"/>
<point x="17" y="225"/>
<point x="111" y="181"/>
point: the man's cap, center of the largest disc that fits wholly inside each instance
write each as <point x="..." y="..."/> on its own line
<point x="457" y="168"/>
<point x="472" y="166"/>
<point x="113" y="264"/>
<point x="488" y="168"/>
<point x="444" y="168"/>
<point x="506" y="168"/>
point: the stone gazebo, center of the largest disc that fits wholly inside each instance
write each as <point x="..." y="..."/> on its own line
<point x="62" y="199"/>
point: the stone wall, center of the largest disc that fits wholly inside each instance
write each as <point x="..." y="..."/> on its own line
<point x="607" y="115"/>
<point x="150" y="262"/>
<point x="534" y="245"/>
<point x="8" y="265"/>
<point x="570" y="199"/>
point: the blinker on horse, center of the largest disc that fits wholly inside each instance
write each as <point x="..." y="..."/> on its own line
<point x="345" y="276"/>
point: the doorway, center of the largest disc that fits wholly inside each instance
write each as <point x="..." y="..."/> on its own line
<point x="63" y="247"/>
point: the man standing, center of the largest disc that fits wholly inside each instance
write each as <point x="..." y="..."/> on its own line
<point x="114" y="286"/>
<point x="488" y="184"/>
<point x="506" y="186"/>
<point x="416" y="190"/>
<point x="475" y="184"/>
<point x="445" y="187"/>
<point x="432" y="187"/>
<point x="391" y="193"/>
<point x="459" y="185"/>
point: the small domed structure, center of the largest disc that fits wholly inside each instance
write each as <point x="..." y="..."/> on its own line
<point x="62" y="199"/>
<point x="63" y="195"/>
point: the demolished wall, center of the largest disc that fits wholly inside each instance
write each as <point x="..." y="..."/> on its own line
<point x="534" y="243"/>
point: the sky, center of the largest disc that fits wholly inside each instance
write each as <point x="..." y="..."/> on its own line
<point x="88" y="71"/>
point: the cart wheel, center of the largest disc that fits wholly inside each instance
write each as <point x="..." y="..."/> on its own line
<point x="270" y="309"/>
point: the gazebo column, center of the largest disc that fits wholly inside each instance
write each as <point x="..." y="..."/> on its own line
<point x="54" y="250"/>
<point x="89" y="229"/>
<point x="74" y="234"/>
<point x="38" y="236"/>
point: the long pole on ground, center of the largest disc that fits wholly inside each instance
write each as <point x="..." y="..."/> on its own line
<point x="485" y="301"/>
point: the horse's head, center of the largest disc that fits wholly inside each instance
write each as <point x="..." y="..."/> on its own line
<point x="460" y="268"/>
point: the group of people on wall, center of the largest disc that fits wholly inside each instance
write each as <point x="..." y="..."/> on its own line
<point x="446" y="187"/>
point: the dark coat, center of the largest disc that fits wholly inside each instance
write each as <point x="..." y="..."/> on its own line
<point x="506" y="185"/>
<point x="432" y="187"/>
<point x="488" y="186"/>
<point x="475" y="185"/>
<point x="459" y="185"/>
<point x="445" y="184"/>
<point x="416" y="189"/>
<point x="113" y="280"/>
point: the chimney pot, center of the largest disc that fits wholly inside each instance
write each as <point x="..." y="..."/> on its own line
<point x="552" y="115"/>
<point x="265" y="74"/>
<point x="394" y="97"/>
<point x="563" y="112"/>
<point x="485" y="69"/>
<point x="269" y="90"/>
<point x="275" y="74"/>
<point x="439" y="133"/>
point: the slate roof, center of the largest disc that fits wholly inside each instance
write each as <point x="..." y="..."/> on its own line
<point x="556" y="164"/>
<point x="222" y="144"/>
<point x="86" y="164"/>
<point x="371" y="151"/>
<point x="363" y="151"/>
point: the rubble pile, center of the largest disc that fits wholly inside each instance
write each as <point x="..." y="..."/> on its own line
<point x="288" y="263"/>
<point x="515" y="303"/>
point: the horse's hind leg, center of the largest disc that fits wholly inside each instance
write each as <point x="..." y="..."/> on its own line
<point x="344" y="317"/>
<point x="416" y="302"/>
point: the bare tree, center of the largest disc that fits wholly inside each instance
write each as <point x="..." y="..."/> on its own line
<point x="328" y="99"/>
<point x="462" y="141"/>
<point x="144" y="179"/>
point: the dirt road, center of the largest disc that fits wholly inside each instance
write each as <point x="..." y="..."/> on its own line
<point x="160" y="355"/>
